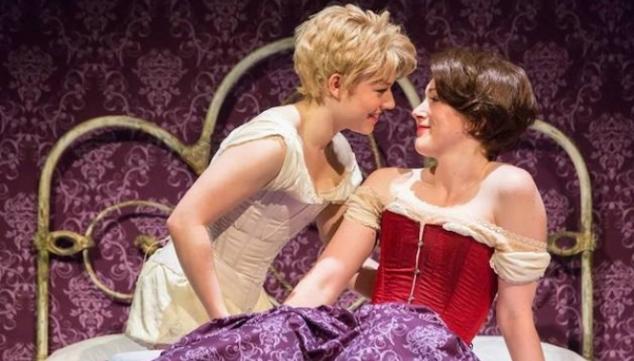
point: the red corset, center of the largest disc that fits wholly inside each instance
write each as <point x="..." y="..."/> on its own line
<point x="454" y="277"/>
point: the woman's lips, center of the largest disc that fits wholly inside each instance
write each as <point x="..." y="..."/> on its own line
<point x="421" y="129"/>
<point x="374" y="117"/>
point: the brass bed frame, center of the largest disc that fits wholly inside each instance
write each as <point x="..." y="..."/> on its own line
<point x="197" y="156"/>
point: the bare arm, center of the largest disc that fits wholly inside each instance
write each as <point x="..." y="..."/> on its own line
<point x="341" y="259"/>
<point x="329" y="220"/>
<point x="521" y="211"/>
<point x="515" y="318"/>
<point x="364" y="280"/>
<point x="234" y="176"/>
<point x="349" y="248"/>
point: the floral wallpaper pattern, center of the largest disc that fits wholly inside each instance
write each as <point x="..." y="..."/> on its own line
<point x="63" y="62"/>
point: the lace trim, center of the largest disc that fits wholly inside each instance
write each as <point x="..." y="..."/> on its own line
<point x="364" y="206"/>
<point x="441" y="215"/>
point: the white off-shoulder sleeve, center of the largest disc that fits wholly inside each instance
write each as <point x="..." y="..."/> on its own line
<point x="364" y="207"/>
<point x="515" y="258"/>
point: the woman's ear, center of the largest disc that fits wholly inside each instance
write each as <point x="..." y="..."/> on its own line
<point x="334" y="84"/>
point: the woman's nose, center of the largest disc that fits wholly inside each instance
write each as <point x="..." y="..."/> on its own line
<point x="421" y="112"/>
<point x="388" y="100"/>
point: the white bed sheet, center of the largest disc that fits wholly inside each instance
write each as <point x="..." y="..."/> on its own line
<point x="100" y="348"/>
<point x="493" y="348"/>
<point x="119" y="347"/>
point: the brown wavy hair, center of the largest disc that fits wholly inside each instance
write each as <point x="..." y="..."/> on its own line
<point x="495" y="95"/>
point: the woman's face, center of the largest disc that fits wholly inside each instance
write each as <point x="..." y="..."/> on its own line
<point x="361" y="106"/>
<point x="439" y="127"/>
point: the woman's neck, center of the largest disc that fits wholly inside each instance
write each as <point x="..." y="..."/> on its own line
<point x="317" y="126"/>
<point x="457" y="173"/>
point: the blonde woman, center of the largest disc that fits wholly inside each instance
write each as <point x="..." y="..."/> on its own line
<point x="272" y="176"/>
<point x="452" y="236"/>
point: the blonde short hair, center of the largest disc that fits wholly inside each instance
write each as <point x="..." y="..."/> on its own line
<point x="359" y="45"/>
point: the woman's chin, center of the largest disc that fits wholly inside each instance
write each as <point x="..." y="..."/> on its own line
<point x="367" y="130"/>
<point x="422" y="149"/>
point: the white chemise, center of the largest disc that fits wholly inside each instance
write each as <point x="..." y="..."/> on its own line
<point x="245" y="240"/>
<point x="515" y="259"/>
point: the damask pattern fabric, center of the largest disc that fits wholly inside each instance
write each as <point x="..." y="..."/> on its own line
<point x="375" y="332"/>
<point x="62" y="63"/>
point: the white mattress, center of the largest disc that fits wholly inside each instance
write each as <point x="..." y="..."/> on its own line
<point x="100" y="348"/>
<point x="121" y="348"/>
<point x="493" y="348"/>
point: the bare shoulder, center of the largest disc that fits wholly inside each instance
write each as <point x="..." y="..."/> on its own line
<point x="518" y="205"/>
<point x="262" y="157"/>
<point x="382" y="179"/>
<point x="508" y="180"/>
<point x="271" y="147"/>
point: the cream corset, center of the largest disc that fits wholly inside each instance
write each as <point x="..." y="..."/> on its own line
<point x="246" y="239"/>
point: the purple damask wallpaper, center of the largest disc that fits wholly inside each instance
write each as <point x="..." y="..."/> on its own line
<point x="63" y="62"/>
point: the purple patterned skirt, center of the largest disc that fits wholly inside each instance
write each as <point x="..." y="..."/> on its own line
<point x="386" y="332"/>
